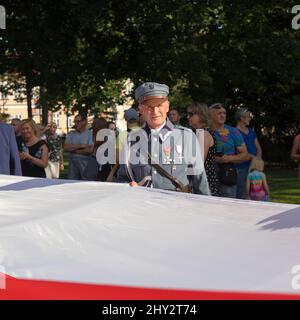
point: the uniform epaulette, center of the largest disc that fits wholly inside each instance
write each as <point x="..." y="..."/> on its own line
<point x="183" y="128"/>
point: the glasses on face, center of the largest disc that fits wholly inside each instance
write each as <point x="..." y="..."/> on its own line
<point x="160" y="104"/>
<point x="150" y="107"/>
<point x="190" y="114"/>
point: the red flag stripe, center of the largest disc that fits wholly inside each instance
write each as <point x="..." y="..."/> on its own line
<point x="19" y="289"/>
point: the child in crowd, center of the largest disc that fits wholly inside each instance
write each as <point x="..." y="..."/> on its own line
<point x="257" y="186"/>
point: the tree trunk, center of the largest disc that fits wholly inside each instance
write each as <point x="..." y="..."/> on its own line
<point x="44" y="105"/>
<point x="45" y="115"/>
<point x="29" y="97"/>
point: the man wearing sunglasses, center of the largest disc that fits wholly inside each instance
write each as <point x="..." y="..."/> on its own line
<point x="161" y="155"/>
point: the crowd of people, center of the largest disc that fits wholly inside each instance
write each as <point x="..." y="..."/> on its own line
<point x="229" y="152"/>
<point x="225" y="161"/>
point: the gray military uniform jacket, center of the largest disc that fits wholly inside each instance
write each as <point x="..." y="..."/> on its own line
<point x="175" y="148"/>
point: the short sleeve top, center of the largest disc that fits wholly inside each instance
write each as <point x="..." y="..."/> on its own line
<point x="228" y="140"/>
<point x="28" y="168"/>
<point x="249" y="139"/>
<point x="75" y="137"/>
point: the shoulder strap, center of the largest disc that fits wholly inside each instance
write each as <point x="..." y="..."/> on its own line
<point x="178" y="184"/>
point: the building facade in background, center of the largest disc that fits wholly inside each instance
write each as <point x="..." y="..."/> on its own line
<point x="17" y="108"/>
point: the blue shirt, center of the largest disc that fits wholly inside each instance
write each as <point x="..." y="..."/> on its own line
<point x="250" y="144"/>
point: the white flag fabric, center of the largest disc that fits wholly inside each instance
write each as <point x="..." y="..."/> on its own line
<point x="112" y="234"/>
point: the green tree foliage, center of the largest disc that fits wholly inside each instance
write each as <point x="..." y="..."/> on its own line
<point x="236" y="52"/>
<point x="255" y="61"/>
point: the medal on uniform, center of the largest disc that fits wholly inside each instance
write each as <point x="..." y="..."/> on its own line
<point x="167" y="151"/>
<point x="178" y="148"/>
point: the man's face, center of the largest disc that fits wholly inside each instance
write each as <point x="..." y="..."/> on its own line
<point x="174" y="116"/>
<point x="79" y="123"/>
<point x="154" y="111"/>
<point x="112" y="126"/>
<point x="218" y="116"/>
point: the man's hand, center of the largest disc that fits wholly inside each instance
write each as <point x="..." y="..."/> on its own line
<point x="70" y="147"/>
<point x="82" y="146"/>
<point x="133" y="184"/>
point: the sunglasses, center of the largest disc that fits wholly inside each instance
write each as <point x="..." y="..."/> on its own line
<point x="190" y="114"/>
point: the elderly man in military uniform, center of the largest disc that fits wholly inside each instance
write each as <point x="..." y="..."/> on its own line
<point x="161" y="155"/>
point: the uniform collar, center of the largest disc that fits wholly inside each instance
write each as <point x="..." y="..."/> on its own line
<point x="164" y="132"/>
<point x="168" y="126"/>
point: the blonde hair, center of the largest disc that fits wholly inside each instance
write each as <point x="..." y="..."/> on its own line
<point x="202" y="110"/>
<point x="32" y="125"/>
<point x="257" y="164"/>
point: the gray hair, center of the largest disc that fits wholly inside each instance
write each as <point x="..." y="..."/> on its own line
<point x="217" y="105"/>
<point x="241" y="112"/>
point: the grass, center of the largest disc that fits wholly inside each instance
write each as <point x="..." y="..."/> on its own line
<point x="283" y="182"/>
<point x="284" y="185"/>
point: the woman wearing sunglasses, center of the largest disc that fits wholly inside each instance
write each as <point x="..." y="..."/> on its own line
<point x="199" y="121"/>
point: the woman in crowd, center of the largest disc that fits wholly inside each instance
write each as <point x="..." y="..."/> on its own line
<point x="231" y="149"/>
<point x="243" y="117"/>
<point x="34" y="155"/>
<point x="295" y="152"/>
<point x="56" y="162"/>
<point x="199" y="118"/>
